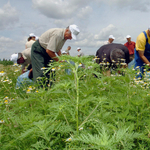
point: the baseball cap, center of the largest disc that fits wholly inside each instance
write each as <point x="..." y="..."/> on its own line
<point x="111" y="37"/>
<point x="32" y="35"/>
<point x="78" y="48"/>
<point x="63" y="52"/>
<point x="128" y="36"/>
<point x="74" y="31"/>
<point x="14" y="57"/>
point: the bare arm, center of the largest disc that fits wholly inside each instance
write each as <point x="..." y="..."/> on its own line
<point x="143" y="58"/>
<point x="59" y="53"/>
<point x="52" y="54"/>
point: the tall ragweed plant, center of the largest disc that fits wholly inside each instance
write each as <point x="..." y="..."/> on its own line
<point x="78" y="68"/>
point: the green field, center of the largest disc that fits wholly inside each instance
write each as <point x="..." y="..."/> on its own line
<point x="79" y="112"/>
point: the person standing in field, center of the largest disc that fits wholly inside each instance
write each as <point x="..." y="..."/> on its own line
<point x="110" y="56"/>
<point x="47" y="46"/>
<point x="23" y="58"/>
<point x="80" y="53"/>
<point x="31" y="40"/>
<point x="67" y="50"/>
<point x="142" y="51"/>
<point x="130" y="45"/>
<point x="111" y="38"/>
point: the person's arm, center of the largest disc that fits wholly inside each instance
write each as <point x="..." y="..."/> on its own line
<point x="59" y="53"/>
<point x="52" y="54"/>
<point x="143" y="58"/>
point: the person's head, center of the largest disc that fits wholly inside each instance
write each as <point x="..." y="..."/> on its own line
<point x="128" y="37"/>
<point x="78" y="49"/>
<point x="148" y="31"/>
<point x="111" y="38"/>
<point x="31" y="37"/>
<point x="116" y="55"/>
<point x="64" y="53"/>
<point x="20" y="59"/>
<point x="69" y="48"/>
<point x="17" y="58"/>
<point x="71" y="32"/>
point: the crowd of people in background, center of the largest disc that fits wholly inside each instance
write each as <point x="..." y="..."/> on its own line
<point x="39" y="51"/>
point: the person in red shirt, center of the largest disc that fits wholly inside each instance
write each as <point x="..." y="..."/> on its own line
<point x="130" y="45"/>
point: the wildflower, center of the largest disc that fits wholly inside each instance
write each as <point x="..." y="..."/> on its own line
<point x="16" y="70"/>
<point x="81" y="128"/>
<point x="53" y="69"/>
<point x="36" y="91"/>
<point x="43" y="68"/>
<point x="15" y="64"/>
<point x="28" y="91"/>
<point x="69" y="139"/>
<point x="2" y="73"/>
<point x="6" y="102"/>
<point x="2" y="121"/>
<point x="30" y="87"/>
<point x="5" y="80"/>
<point x="137" y="67"/>
<point x="80" y="64"/>
<point x="5" y="98"/>
<point x="108" y="63"/>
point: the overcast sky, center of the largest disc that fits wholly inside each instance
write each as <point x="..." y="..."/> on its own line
<point x="96" y="19"/>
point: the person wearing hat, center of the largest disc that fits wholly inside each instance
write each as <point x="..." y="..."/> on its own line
<point x="142" y="51"/>
<point x="80" y="53"/>
<point x="111" y="55"/>
<point x="23" y="58"/>
<point x="48" y="46"/>
<point x="110" y="39"/>
<point x="67" y="50"/>
<point x="130" y="45"/>
<point x="31" y="39"/>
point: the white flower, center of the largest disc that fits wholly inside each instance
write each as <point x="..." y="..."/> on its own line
<point x="69" y="139"/>
<point x="80" y="64"/>
<point x="53" y="69"/>
<point x="2" y="73"/>
<point x="44" y="68"/>
<point x="28" y="91"/>
<point x="2" y="121"/>
<point x="81" y="128"/>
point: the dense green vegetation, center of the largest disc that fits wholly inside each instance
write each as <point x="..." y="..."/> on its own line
<point x="6" y="62"/>
<point x="82" y="110"/>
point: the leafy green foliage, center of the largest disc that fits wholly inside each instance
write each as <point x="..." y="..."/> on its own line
<point x="82" y="110"/>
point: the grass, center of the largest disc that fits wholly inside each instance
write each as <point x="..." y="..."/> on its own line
<point x="79" y="111"/>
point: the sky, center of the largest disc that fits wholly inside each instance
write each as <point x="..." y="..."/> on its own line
<point x="96" y="19"/>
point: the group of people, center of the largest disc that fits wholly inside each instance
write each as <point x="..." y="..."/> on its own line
<point x="39" y="52"/>
<point x="138" y="52"/>
<point x="44" y="50"/>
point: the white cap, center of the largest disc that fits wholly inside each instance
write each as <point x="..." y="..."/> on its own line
<point x="111" y="37"/>
<point x="74" y="31"/>
<point x="63" y="52"/>
<point x="128" y="36"/>
<point x="14" y="57"/>
<point x="78" y="48"/>
<point x="36" y="37"/>
<point x="32" y="35"/>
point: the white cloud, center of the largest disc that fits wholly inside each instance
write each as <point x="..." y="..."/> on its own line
<point x="8" y="16"/>
<point x="138" y="5"/>
<point x="84" y="12"/>
<point x="59" y="9"/>
<point x="105" y="32"/>
<point x="9" y="46"/>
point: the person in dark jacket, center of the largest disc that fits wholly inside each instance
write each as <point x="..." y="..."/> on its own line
<point x="111" y="56"/>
